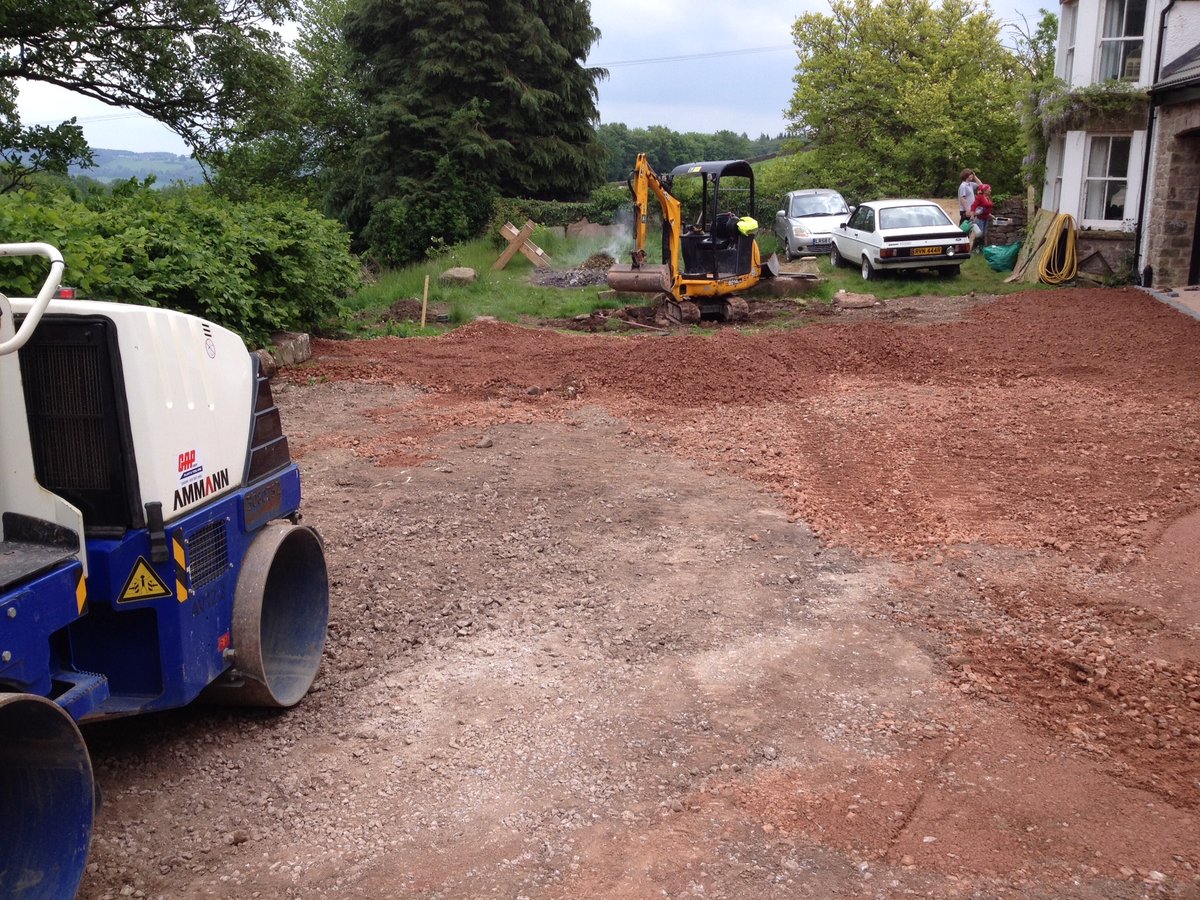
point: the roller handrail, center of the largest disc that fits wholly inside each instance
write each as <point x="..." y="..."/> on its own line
<point x="45" y="295"/>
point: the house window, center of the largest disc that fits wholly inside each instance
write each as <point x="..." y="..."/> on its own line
<point x="1066" y="56"/>
<point x="1121" y="41"/>
<point x="1107" y="179"/>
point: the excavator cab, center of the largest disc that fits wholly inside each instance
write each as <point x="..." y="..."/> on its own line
<point x="714" y="246"/>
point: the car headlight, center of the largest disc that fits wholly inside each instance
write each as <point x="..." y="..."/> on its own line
<point x="800" y="231"/>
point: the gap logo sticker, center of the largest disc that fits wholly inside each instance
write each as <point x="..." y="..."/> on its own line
<point x="188" y="467"/>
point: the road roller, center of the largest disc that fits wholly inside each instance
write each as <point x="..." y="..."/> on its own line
<point x="705" y="264"/>
<point x="151" y="549"/>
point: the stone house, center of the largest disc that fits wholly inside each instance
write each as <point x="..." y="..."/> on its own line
<point x="1124" y="160"/>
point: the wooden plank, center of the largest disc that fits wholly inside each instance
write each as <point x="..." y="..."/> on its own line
<point x="535" y="254"/>
<point x="1026" y="268"/>
<point x="516" y="240"/>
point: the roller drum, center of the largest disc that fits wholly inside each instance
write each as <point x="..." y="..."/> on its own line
<point x="280" y="617"/>
<point x="47" y="800"/>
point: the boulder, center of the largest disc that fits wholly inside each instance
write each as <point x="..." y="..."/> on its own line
<point x="849" y="300"/>
<point x="267" y="366"/>
<point x="458" y="275"/>
<point x="290" y="348"/>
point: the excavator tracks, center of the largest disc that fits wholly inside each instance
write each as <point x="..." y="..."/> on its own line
<point x="688" y="312"/>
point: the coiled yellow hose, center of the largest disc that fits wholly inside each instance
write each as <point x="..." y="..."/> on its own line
<point x="1059" y="262"/>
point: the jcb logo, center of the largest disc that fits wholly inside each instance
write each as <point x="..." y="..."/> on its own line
<point x="187" y="460"/>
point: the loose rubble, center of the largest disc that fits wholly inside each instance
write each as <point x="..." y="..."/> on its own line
<point x="866" y="608"/>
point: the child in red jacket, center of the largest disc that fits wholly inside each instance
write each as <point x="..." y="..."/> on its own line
<point x="981" y="212"/>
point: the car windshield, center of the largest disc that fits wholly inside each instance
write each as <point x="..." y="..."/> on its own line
<point x="818" y="205"/>
<point x="923" y="216"/>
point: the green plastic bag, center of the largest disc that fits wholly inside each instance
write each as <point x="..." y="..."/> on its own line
<point x="1002" y="258"/>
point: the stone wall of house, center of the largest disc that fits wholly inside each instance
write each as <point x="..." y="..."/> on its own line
<point x="1008" y="222"/>
<point x="1170" y="223"/>
<point x="1105" y="254"/>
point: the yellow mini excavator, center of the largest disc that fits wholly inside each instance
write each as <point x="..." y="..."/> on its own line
<point x="706" y="264"/>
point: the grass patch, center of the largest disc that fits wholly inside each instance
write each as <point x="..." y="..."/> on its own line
<point x="508" y="295"/>
<point x="976" y="276"/>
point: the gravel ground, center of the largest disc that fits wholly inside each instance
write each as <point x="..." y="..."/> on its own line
<point x="904" y="602"/>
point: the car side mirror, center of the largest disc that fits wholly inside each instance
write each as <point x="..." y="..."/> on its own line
<point x="780" y="213"/>
<point x="842" y="225"/>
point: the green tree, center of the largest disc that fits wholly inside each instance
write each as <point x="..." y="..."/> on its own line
<point x="898" y="96"/>
<point x="497" y="88"/>
<point x="198" y="66"/>
<point x="1034" y="47"/>
<point x="1035" y="52"/>
<point x="298" y="144"/>
<point x="24" y="152"/>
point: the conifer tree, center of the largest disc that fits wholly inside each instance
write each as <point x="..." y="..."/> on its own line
<point x="498" y="87"/>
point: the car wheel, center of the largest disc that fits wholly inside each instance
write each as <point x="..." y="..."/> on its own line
<point x="868" y="270"/>
<point x="949" y="271"/>
<point x="835" y="258"/>
<point x="788" y="255"/>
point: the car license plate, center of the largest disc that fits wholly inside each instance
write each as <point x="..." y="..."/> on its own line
<point x="925" y="251"/>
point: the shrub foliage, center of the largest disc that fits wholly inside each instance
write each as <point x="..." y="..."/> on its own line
<point x="254" y="267"/>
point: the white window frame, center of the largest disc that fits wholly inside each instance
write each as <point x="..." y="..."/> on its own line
<point x="1119" y="54"/>
<point x="1106" y="181"/>
<point x="1055" y="162"/>
<point x="1066" y="33"/>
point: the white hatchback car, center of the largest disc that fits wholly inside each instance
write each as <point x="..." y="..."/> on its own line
<point x="900" y="234"/>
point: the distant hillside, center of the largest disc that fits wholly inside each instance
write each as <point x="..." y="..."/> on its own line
<point x="121" y="165"/>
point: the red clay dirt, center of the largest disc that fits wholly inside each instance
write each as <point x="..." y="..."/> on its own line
<point x="902" y="602"/>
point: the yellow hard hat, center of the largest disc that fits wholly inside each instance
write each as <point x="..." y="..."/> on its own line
<point x="747" y="225"/>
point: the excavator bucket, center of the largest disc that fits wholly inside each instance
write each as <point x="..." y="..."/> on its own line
<point x="652" y="279"/>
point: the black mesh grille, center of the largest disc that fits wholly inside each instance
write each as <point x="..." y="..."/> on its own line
<point x="78" y="423"/>
<point x="208" y="554"/>
<point x="63" y="387"/>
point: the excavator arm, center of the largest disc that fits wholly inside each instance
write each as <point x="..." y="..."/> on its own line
<point x="642" y="182"/>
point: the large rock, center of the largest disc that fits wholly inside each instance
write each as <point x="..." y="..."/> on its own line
<point x="267" y="367"/>
<point x="290" y="348"/>
<point x="851" y="300"/>
<point x="458" y="275"/>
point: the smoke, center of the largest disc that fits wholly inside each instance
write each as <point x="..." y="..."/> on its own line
<point x="616" y="239"/>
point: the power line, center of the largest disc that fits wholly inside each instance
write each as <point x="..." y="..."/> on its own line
<point x="86" y="120"/>
<point x="715" y="54"/>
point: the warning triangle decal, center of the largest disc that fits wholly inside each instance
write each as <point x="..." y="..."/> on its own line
<point x="143" y="584"/>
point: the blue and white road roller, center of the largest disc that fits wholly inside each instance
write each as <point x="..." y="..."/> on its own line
<point x="151" y="549"/>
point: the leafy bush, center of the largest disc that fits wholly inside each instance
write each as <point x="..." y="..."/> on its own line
<point x="601" y="207"/>
<point x="425" y="219"/>
<point x="605" y="202"/>
<point x="252" y="267"/>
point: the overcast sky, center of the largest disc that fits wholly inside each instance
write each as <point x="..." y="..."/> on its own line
<point x="692" y="65"/>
